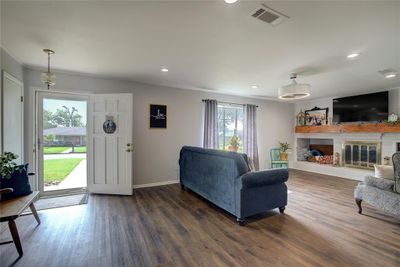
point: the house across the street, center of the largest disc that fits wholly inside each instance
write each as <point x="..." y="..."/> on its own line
<point x="67" y="135"/>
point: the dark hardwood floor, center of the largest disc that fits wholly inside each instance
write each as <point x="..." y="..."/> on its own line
<point x="164" y="226"/>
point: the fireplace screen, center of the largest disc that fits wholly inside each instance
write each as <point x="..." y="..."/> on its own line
<point x="361" y="154"/>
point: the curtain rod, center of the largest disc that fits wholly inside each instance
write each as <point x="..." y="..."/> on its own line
<point x="231" y="103"/>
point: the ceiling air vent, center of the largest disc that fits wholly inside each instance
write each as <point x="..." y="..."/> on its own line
<point x="269" y="15"/>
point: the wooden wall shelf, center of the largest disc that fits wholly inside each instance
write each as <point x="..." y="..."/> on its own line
<point x="350" y="128"/>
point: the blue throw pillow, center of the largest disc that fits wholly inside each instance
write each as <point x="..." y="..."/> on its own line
<point x="19" y="182"/>
<point x="316" y="153"/>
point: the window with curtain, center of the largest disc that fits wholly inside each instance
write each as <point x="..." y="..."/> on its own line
<point x="230" y="126"/>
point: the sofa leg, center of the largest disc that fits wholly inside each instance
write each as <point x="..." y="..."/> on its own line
<point x="282" y="210"/>
<point x="182" y="186"/>
<point x="358" y="202"/>
<point x="240" y="221"/>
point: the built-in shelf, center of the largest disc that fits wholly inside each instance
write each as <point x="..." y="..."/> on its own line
<point x="351" y="128"/>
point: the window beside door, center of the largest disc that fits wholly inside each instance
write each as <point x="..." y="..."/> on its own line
<point x="230" y="126"/>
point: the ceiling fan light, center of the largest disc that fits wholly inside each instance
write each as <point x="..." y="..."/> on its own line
<point x="294" y="91"/>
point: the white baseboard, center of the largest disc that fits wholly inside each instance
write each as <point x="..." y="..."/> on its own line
<point x="155" y="184"/>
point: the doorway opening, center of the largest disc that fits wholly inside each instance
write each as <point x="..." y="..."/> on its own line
<point x="62" y="139"/>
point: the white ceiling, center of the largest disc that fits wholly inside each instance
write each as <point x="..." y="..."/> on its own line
<point x="212" y="45"/>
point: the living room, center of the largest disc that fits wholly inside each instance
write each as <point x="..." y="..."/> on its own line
<point x="164" y="97"/>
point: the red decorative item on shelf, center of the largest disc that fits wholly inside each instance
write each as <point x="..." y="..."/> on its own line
<point x="325" y="159"/>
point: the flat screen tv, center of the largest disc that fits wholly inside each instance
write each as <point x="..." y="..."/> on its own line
<point x="361" y="108"/>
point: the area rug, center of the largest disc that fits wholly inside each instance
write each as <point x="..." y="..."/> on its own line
<point x="60" y="201"/>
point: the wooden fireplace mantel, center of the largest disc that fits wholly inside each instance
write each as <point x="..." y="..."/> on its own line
<point x="351" y="128"/>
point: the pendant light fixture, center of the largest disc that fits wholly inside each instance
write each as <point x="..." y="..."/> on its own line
<point x="294" y="90"/>
<point x="48" y="77"/>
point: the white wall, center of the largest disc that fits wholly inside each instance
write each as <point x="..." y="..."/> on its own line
<point x="12" y="67"/>
<point x="156" y="152"/>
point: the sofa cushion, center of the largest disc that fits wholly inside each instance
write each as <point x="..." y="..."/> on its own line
<point x="384" y="171"/>
<point x="384" y="184"/>
<point x="263" y="178"/>
<point x="19" y="182"/>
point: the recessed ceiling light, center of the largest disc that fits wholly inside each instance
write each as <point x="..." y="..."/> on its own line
<point x="164" y="70"/>
<point x="390" y="75"/>
<point x="254" y="86"/>
<point x="354" y="55"/>
<point x="230" y="1"/>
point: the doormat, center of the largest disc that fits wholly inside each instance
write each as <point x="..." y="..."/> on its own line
<point x="59" y="202"/>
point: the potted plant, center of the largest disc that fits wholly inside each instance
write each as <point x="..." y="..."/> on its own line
<point x="284" y="147"/>
<point x="7" y="168"/>
<point x="234" y="143"/>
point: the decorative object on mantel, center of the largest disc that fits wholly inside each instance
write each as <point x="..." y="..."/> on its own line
<point x="48" y="78"/>
<point x="294" y="90"/>
<point x="157" y="116"/>
<point x="284" y="147"/>
<point x="336" y="161"/>
<point x="393" y="118"/>
<point x="317" y="116"/>
<point x="301" y="118"/>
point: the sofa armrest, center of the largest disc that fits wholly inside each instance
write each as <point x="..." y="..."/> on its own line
<point x="263" y="178"/>
<point x="384" y="184"/>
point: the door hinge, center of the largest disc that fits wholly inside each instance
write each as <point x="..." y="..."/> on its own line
<point x="22" y="99"/>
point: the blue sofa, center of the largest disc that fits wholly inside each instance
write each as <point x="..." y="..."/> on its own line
<point x="225" y="179"/>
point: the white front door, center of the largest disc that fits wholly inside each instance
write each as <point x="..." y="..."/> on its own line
<point x="110" y="142"/>
<point x="13" y="116"/>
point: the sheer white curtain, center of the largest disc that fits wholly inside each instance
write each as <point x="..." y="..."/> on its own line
<point x="250" y="134"/>
<point x="210" y="124"/>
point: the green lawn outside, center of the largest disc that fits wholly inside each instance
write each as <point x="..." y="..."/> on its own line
<point x="55" y="170"/>
<point x="54" y="149"/>
<point x="80" y="149"/>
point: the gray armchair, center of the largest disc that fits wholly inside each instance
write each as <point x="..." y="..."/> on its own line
<point x="381" y="193"/>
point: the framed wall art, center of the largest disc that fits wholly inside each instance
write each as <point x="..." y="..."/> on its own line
<point x="157" y="116"/>
<point x="317" y="116"/>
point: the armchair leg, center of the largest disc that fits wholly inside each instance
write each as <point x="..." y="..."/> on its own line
<point x="240" y="221"/>
<point x="358" y="202"/>
<point x="282" y="210"/>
